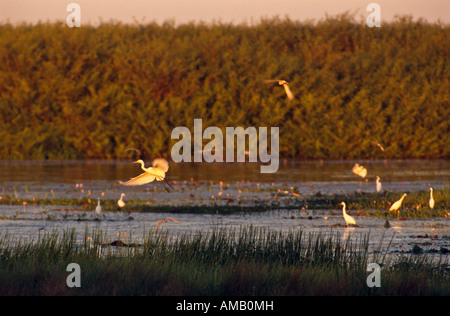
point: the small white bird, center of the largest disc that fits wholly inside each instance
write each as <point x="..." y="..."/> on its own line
<point x="348" y="219"/>
<point x="359" y="170"/>
<point x="285" y="84"/>
<point x="98" y="209"/>
<point x="397" y="204"/>
<point x="158" y="171"/>
<point x="120" y="202"/>
<point x="431" y="203"/>
<point x="379" y="185"/>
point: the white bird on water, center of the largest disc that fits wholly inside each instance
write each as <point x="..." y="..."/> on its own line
<point x="359" y="170"/>
<point x="98" y="209"/>
<point x="379" y="185"/>
<point x="120" y="202"/>
<point x="397" y="204"/>
<point x="285" y="84"/>
<point x="157" y="172"/>
<point x="431" y="203"/>
<point x="348" y="219"/>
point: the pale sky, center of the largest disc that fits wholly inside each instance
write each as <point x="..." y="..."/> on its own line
<point x="236" y="11"/>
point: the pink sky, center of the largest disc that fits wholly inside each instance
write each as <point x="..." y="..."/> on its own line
<point x="237" y="11"/>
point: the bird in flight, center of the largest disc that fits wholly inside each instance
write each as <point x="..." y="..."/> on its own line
<point x="165" y="221"/>
<point x="156" y="172"/>
<point x="283" y="83"/>
<point x="359" y="170"/>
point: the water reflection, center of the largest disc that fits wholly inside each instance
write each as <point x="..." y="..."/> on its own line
<point x="290" y="171"/>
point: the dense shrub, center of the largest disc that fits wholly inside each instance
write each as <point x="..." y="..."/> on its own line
<point x="92" y="92"/>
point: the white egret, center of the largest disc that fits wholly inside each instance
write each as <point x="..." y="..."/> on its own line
<point x="379" y="185"/>
<point x="359" y="170"/>
<point x="158" y="171"/>
<point x="165" y="221"/>
<point x="348" y="219"/>
<point x="397" y="204"/>
<point x="120" y="202"/>
<point x="379" y="145"/>
<point x="285" y="84"/>
<point x="431" y="203"/>
<point x="98" y="209"/>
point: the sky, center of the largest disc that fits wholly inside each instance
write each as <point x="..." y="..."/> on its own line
<point x="226" y="11"/>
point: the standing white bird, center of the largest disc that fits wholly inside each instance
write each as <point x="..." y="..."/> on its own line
<point x="285" y="84"/>
<point x="348" y="219"/>
<point x="431" y="203"/>
<point x="120" y="202"/>
<point x="379" y="185"/>
<point x="397" y="204"/>
<point x="359" y="170"/>
<point x="98" y="209"/>
<point x="158" y="171"/>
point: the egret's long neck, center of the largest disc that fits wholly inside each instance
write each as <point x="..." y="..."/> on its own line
<point x="431" y="193"/>
<point x="343" y="208"/>
<point x="142" y="165"/>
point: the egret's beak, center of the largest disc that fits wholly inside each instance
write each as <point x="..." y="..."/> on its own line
<point x="136" y="162"/>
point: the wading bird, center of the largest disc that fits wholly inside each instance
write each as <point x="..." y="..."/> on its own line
<point x="165" y="221"/>
<point x="158" y="171"/>
<point x="359" y="170"/>
<point x="98" y="209"/>
<point x="397" y="204"/>
<point x="431" y="203"/>
<point x="348" y="219"/>
<point x="120" y="202"/>
<point x="285" y="84"/>
<point x="379" y="186"/>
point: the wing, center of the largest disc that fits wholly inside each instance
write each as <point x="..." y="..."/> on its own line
<point x="140" y="180"/>
<point x="161" y="163"/>
<point x="171" y="219"/>
<point x="289" y="93"/>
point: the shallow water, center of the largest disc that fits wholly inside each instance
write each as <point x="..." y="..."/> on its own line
<point x="200" y="183"/>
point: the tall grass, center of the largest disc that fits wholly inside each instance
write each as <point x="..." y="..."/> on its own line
<point x="249" y="261"/>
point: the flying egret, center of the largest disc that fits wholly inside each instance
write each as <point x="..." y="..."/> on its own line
<point x="431" y="203"/>
<point x="379" y="145"/>
<point x="379" y="185"/>
<point x="285" y="84"/>
<point x="397" y="204"/>
<point x="158" y="171"/>
<point x="120" y="202"/>
<point x="348" y="219"/>
<point x="359" y="170"/>
<point x="165" y="221"/>
<point x="98" y="209"/>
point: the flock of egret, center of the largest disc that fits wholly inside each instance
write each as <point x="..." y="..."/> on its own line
<point x="160" y="167"/>
<point x="362" y="172"/>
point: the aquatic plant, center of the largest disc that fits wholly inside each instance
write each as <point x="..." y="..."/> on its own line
<point x="248" y="261"/>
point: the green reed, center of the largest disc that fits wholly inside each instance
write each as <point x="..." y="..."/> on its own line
<point x="248" y="261"/>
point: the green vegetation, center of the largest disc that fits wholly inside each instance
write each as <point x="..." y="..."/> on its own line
<point x="363" y="204"/>
<point x="224" y="262"/>
<point x="93" y="92"/>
